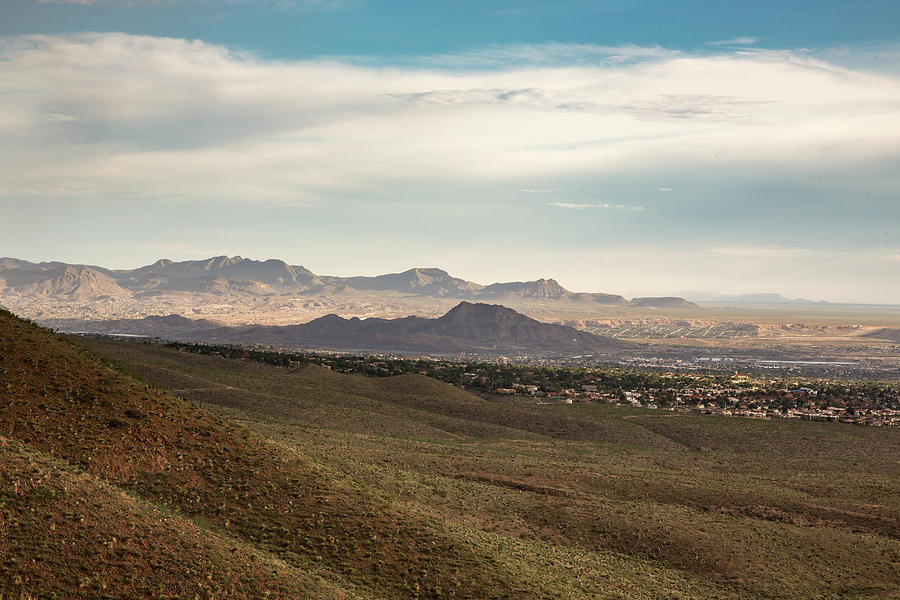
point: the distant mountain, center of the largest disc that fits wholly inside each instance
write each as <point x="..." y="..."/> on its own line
<point x="600" y="298"/>
<point x="431" y="282"/>
<point x="885" y="333"/>
<point x="768" y="298"/>
<point x="271" y="272"/>
<point x="663" y="302"/>
<point x="542" y="288"/>
<point x="57" y="280"/>
<point x="168" y="327"/>
<point x="467" y="327"/>
<point x="219" y="275"/>
<point x="243" y="278"/>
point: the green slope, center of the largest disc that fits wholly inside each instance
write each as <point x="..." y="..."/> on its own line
<point x="698" y="506"/>
<point x="67" y="534"/>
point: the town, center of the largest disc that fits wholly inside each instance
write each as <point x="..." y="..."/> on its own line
<point x="735" y="394"/>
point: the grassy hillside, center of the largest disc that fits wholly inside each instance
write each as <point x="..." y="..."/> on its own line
<point x="308" y="483"/>
<point x="408" y="406"/>
<point x="126" y="440"/>
<point x="68" y="534"/>
<point x="742" y="507"/>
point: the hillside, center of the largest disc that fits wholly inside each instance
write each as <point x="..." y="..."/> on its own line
<point x="125" y="547"/>
<point x="63" y="403"/>
<point x="338" y="486"/>
<point x="736" y="507"/>
<point x="70" y="415"/>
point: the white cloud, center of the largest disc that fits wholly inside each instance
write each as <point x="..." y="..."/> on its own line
<point x="170" y="117"/>
<point x="746" y="40"/>
<point x="663" y="189"/>
<point x="571" y="205"/>
<point x="61" y="118"/>
<point x="547" y="54"/>
<point x="603" y="205"/>
<point x="535" y="191"/>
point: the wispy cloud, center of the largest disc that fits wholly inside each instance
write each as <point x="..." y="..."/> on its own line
<point x="549" y="54"/>
<point x="710" y="107"/>
<point x="536" y="191"/>
<point x="663" y="189"/>
<point x="571" y="205"/>
<point x="746" y="40"/>
<point x="768" y="252"/>
<point x="602" y="205"/>
<point x="61" y="118"/>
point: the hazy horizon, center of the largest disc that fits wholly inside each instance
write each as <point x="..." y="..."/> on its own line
<point x="633" y="150"/>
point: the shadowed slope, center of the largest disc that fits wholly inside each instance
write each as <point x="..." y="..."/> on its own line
<point x="67" y="533"/>
<point x="406" y="406"/>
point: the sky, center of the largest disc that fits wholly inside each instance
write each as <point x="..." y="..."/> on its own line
<point x="633" y="147"/>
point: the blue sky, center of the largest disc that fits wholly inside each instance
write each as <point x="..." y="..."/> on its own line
<point x="306" y="28"/>
<point x="629" y="147"/>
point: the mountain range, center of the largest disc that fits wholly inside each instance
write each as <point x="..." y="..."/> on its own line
<point x="237" y="276"/>
<point x="761" y="298"/>
<point x="468" y="327"/>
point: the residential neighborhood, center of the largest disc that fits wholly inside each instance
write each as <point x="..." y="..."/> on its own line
<point x="869" y="403"/>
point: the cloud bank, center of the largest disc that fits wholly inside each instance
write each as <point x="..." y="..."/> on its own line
<point x="116" y="112"/>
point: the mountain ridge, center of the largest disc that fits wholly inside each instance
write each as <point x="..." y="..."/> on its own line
<point x="753" y="298"/>
<point x="224" y="275"/>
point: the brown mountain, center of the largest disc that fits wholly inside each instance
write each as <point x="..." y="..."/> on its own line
<point x="484" y="328"/>
<point x="663" y="302"/>
<point x="542" y="288"/>
<point x="884" y="333"/>
<point x="71" y="282"/>
<point x="168" y="327"/>
<point x="220" y="275"/>
<point x="431" y="282"/>
<point x="244" y="278"/>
